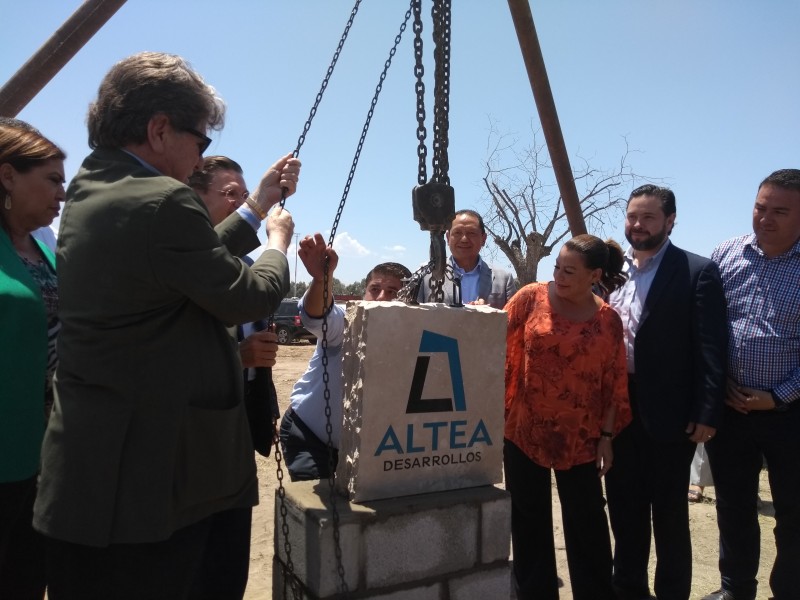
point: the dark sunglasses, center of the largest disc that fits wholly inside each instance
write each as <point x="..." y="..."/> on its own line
<point x="203" y="146"/>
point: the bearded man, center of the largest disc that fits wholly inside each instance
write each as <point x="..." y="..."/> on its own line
<point x="673" y="314"/>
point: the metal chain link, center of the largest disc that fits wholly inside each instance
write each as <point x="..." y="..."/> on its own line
<point x="440" y="13"/>
<point x="325" y="294"/>
<point x="410" y="290"/>
<point x="337" y="544"/>
<point x="324" y="342"/>
<point x="301" y="140"/>
<point x="419" y="87"/>
<point x="440" y="165"/>
<point x="288" y="570"/>
<point x="387" y="63"/>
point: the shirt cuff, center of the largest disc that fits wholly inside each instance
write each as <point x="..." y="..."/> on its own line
<point x="781" y="403"/>
<point x="247" y="214"/>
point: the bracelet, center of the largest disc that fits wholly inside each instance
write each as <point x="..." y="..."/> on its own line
<point x="256" y="208"/>
<point x="606" y="434"/>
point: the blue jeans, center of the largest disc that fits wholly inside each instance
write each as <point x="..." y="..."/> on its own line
<point x="736" y="455"/>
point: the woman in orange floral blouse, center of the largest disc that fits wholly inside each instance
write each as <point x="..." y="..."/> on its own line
<point x="566" y="396"/>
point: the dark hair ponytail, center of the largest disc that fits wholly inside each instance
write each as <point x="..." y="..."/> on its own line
<point x="606" y="256"/>
<point x="613" y="275"/>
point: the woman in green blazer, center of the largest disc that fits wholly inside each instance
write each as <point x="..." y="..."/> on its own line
<point x="31" y="190"/>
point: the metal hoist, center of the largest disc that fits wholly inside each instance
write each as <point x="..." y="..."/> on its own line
<point x="433" y="205"/>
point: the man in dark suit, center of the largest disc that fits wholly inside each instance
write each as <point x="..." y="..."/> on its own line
<point x="673" y="313"/>
<point x="481" y="283"/>
<point x="147" y="462"/>
<point x="221" y="186"/>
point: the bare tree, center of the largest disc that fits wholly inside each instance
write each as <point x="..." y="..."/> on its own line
<point x="525" y="216"/>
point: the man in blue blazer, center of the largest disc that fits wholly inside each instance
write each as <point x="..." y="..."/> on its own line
<point x="673" y="313"/>
<point x="481" y="283"/>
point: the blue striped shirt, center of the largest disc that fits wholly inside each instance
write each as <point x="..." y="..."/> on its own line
<point x="763" y="316"/>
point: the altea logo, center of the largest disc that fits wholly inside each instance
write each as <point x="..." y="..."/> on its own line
<point x="436" y="435"/>
<point x="435" y="342"/>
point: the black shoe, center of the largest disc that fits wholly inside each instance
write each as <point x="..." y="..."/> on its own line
<point x="721" y="595"/>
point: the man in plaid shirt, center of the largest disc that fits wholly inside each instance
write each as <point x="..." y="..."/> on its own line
<point x="761" y="277"/>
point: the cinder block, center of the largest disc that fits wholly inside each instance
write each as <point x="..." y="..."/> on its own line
<point x="428" y="592"/>
<point x="310" y="524"/>
<point x="412" y="547"/>
<point x="428" y="415"/>
<point x="495" y="529"/>
<point x="492" y="583"/>
<point x="416" y="537"/>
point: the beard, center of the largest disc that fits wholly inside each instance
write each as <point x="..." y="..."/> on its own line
<point x="651" y="242"/>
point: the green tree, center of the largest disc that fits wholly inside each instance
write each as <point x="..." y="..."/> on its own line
<point x="357" y="288"/>
<point x="299" y="288"/>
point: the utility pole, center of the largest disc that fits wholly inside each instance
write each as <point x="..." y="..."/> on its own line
<point x="296" y="248"/>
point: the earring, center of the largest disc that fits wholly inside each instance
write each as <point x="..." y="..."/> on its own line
<point x="7" y="203"/>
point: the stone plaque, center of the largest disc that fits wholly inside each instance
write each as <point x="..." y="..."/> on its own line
<point x="423" y="399"/>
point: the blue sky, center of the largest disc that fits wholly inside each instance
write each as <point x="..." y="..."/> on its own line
<point x="706" y="92"/>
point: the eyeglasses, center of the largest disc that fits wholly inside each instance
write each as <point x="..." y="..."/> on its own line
<point x="234" y="195"/>
<point x="203" y="146"/>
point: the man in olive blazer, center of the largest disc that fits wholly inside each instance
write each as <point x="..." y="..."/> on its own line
<point x="147" y="462"/>
<point x="148" y="376"/>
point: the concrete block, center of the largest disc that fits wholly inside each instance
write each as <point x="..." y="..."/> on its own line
<point x="496" y="529"/>
<point x="310" y="524"/>
<point x="481" y="585"/>
<point x="428" y="592"/>
<point x="420" y="545"/>
<point x="423" y="407"/>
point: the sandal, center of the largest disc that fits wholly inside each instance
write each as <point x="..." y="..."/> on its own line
<point x="695" y="494"/>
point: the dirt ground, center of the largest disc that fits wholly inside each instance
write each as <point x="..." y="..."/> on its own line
<point x="292" y="362"/>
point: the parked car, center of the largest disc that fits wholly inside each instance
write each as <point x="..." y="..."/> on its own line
<point x="288" y="325"/>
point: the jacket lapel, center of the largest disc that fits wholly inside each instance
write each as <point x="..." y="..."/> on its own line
<point x="666" y="271"/>
<point x="485" y="281"/>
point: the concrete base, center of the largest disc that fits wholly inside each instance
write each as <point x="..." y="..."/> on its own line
<point x="450" y="545"/>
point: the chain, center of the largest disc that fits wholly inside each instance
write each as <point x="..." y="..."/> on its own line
<point x="419" y="87"/>
<point x="321" y="92"/>
<point x="288" y="570"/>
<point x="325" y="294"/>
<point x="365" y="128"/>
<point x="410" y="290"/>
<point x="441" y="108"/>
<point x="337" y="546"/>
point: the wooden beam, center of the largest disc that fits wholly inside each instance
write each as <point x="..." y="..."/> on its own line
<point x="543" y="97"/>
<point x="54" y="54"/>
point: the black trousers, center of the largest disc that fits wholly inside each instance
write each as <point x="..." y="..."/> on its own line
<point x="650" y="479"/>
<point x="307" y="457"/>
<point x="208" y="560"/>
<point x="735" y="455"/>
<point x="22" y="574"/>
<point x="585" y="529"/>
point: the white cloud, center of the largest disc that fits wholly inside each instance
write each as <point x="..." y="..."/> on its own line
<point x="347" y="246"/>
